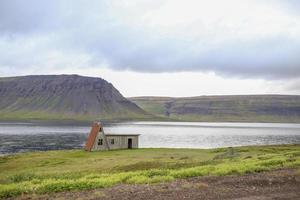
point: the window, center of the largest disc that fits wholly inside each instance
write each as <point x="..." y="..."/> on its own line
<point x="100" y="142"/>
<point x="112" y="141"/>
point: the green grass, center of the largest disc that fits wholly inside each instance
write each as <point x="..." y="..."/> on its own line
<point x="55" y="171"/>
<point x="24" y="115"/>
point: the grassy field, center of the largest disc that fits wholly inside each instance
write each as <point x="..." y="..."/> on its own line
<point x="55" y="171"/>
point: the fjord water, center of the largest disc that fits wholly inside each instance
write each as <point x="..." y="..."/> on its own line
<point x="22" y="137"/>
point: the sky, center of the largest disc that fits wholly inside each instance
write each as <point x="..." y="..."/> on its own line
<point x="157" y="48"/>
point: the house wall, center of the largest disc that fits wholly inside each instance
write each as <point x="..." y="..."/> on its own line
<point x="120" y="142"/>
<point x="97" y="147"/>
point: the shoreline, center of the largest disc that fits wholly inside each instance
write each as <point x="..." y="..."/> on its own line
<point x="88" y="121"/>
<point x="153" y="148"/>
<point x="107" y="122"/>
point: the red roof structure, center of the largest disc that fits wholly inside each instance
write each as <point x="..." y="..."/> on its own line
<point x="96" y="127"/>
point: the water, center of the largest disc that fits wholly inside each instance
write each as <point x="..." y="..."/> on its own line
<point x="21" y="137"/>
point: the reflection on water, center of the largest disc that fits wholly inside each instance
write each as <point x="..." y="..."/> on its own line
<point x="20" y="137"/>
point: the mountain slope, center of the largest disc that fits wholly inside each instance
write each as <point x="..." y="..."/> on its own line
<point x="248" y="108"/>
<point x="64" y="97"/>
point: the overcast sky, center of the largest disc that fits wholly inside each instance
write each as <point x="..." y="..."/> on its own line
<point x="159" y="48"/>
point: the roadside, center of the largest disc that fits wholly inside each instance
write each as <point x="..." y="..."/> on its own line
<point x="277" y="184"/>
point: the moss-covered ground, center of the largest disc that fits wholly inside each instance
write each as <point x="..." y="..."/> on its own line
<point x="55" y="171"/>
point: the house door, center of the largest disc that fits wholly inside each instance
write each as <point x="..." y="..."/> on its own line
<point x="129" y="143"/>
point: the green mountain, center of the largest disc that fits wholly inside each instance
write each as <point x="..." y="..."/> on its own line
<point x="242" y="108"/>
<point x="64" y="97"/>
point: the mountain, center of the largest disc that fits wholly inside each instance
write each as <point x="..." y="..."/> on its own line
<point x="64" y="97"/>
<point x="242" y="108"/>
<point x="85" y="98"/>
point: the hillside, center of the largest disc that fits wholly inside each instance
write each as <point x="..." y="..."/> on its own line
<point x="64" y="97"/>
<point x="243" y="108"/>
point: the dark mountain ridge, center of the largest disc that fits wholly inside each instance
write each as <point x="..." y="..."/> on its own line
<point x="56" y="97"/>
<point x="64" y="97"/>
<point x="242" y="108"/>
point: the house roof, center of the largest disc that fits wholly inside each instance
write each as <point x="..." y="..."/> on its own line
<point x="92" y="136"/>
<point x="112" y="134"/>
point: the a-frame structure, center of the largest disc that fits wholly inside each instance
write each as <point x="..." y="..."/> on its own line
<point x="95" y="130"/>
<point x="98" y="140"/>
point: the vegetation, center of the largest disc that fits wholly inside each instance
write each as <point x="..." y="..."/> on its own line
<point x="55" y="171"/>
<point x="26" y="115"/>
<point x="235" y="108"/>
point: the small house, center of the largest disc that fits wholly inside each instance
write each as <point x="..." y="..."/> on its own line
<point x="98" y="140"/>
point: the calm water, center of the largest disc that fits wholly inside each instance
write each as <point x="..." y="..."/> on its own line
<point x="20" y="137"/>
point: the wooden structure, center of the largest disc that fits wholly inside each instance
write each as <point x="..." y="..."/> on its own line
<point x="98" y="140"/>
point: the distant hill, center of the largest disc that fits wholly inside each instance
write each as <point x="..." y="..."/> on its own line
<point x="64" y="97"/>
<point x="242" y="108"/>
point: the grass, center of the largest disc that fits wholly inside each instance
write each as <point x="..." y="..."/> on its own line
<point x="56" y="171"/>
<point x="27" y="115"/>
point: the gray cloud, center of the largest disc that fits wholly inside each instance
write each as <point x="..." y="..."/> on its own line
<point x="54" y="33"/>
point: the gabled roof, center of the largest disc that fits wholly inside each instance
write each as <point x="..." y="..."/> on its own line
<point x="92" y="136"/>
<point x="112" y="134"/>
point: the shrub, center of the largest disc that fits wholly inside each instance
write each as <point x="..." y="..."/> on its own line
<point x="191" y="172"/>
<point x="139" y="179"/>
<point x="22" y="177"/>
